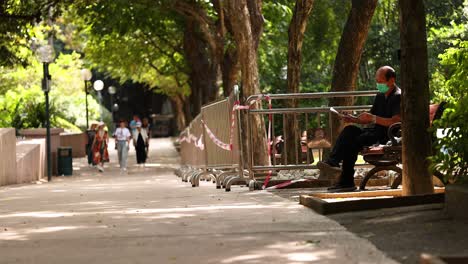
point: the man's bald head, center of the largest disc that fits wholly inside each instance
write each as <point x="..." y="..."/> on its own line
<point x="384" y="74"/>
<point x="385" y="78"/>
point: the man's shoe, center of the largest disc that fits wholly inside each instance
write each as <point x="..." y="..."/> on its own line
<point x="327" y="167"/>
<point x="342" y="188"/>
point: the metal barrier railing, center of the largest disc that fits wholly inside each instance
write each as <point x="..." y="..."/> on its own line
<point x="221" y="121"/>
<point x="305" y="115"/>
<point x="192" y="149"/>
<point x="205" y="153"/>
<point x="216" y="128"/>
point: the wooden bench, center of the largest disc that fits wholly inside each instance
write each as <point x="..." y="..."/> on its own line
<point x="388" y="157"/>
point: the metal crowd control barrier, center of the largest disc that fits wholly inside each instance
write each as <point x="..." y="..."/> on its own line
<point x="204" y="152"/>
<point x="304" y="115"/>
<point x="224" y="164"/>
<point x="192" y="150"/>
<point x="221" y="157"/>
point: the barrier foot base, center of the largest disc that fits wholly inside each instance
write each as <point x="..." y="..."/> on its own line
<point x="254" y="185"/>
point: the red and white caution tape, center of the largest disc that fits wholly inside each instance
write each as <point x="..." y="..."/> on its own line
<point x="270" y="118"/>
<point x="286" y="183"/>
<point x="215" y="140"/>
<point x="237" y="106"/>
<point x="199" y="144"/>
<point x="192" y="139"/>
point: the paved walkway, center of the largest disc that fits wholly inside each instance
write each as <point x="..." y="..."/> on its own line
<point x="150" y="216"/>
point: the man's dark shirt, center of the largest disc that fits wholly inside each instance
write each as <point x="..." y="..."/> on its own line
<point x="386" y="107"/>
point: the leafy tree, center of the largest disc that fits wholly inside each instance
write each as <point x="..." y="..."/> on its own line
<point x="451" y="155"/>
<point x="22" y="100"/>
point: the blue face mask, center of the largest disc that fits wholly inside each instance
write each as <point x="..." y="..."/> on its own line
<point x="382" y="87"/>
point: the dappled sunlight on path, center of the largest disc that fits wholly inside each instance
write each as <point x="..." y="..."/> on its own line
<point x="149" y="216"/>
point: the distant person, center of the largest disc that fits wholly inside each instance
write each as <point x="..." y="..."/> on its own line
<point x="122" y="140"/>
<point x="140" y="139"/>
<point x="145" y="125"/>
<point x="91" y="133"/>
<point x="100" y="153"/>
<point x="133" y="123"/>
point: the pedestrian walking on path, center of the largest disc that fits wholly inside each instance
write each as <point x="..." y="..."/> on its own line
<point x="100" y="153"/>
<point x="133" y="123"/>
<point x="145" y="125"/>
<point x="122" y="140"/>
<point x="140" y="139"/>
<point x="91" y="133"/>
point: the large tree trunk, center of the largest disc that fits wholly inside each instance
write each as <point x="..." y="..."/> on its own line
<point x="346" y="67"/>
<point x="415" y="99"/>
<point x="213" y="32"/>
<point x="178" y="103"/>
<point x="203" y="74"/>
<point x="231" y="69"/>
<point x="247" y="23"/>
<point x="296" y="32"/>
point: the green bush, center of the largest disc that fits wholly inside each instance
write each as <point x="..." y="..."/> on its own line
<point x="451" y="156"/>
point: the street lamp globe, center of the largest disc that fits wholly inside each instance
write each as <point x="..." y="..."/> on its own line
<point x="112" y="90"/>
<point x="115" y="107"/>
<point x="46" y="53"/>
<point x="86" y="74"/>
<point x="98" y="85"/>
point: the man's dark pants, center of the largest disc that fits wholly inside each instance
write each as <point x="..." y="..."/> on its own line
<point x="350" y="141"/>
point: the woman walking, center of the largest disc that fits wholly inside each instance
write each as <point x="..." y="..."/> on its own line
<point x="91" y="133"/>
<point x="140" y="139"/>
<point x="145" y="125"/>
<point x="100" y="153"/>
<point x="122" y="140"/>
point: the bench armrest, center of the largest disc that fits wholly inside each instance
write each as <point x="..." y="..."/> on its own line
<point x="394" y="133"/>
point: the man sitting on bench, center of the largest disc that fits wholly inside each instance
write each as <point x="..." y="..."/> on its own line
<point x="385" y="112"/>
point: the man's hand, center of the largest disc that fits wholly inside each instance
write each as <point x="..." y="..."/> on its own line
<point x="366" y="118"/>
<point x="350" y="119"/>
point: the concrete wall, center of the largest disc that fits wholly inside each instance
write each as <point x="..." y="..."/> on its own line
<point x="36" y="133"/>
<point x="7" y="156"/>
<point x="40" y="161"/>
<point x="77" y="141"/>
<point x="28" y="163"/>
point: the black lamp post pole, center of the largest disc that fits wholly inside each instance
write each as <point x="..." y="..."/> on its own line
<point x="45" y="88"/>
<point x="86" y="92"/>
<point x="112" y="109"/>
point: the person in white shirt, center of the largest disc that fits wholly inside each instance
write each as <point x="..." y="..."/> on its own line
<point x="140" y="139"/>
<point x="122" y="139"/>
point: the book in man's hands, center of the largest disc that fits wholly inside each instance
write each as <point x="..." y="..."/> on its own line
<point x="342" y="115"/>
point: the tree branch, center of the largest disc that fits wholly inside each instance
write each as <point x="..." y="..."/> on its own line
<point x="198" y="14"/>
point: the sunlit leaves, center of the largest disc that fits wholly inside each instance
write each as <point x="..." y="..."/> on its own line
<point x="21" y="95"/>
<point x="138" y="41"/>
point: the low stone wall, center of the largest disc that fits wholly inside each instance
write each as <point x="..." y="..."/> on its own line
<point x="77" y="141"/>
<point x="7" y="156"/>
<point x="40" y="133"/>
<point x="41" y="159"/>
<point x="29" y="166"/>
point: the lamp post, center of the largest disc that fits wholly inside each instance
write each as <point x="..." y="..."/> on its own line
<point x="46" y="55"/>
<point x="98" y="86"/>
<point x="112" y="90"/>
<point x="86" y="75"/>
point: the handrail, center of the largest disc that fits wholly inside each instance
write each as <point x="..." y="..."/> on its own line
<point x="307" y="109"/>
<point x="311" y="95"/>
